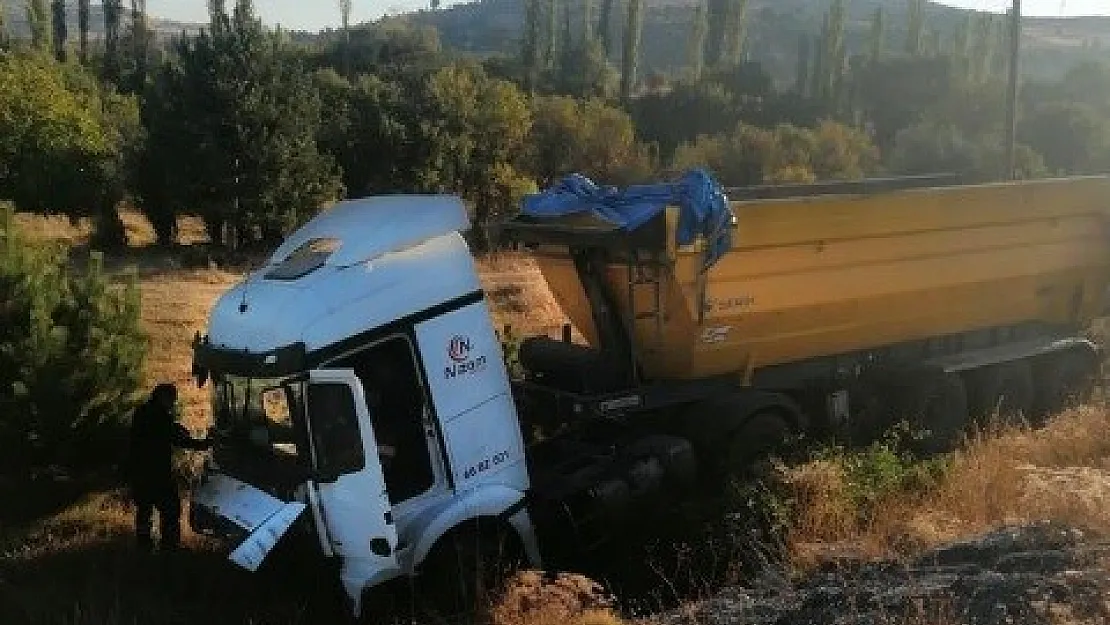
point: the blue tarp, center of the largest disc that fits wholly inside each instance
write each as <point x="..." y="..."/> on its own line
<point x="704" y="207"/>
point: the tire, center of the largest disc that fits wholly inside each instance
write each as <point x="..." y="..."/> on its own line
<point x="1005" y="390"/>
<point x="937" y="408"/>
<point x="674" y="454"/>
<point x="760" y="438"/>
<point x="468" y="568"/>
<point x="1063" y="381"/>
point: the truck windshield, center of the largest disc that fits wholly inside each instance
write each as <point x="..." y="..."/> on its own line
<point x="259" y="413"/>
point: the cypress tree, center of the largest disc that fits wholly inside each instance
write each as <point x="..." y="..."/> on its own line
<point x="60" y="28"/>
<point x="113" y="13"/>
<point x="552" y="56"/>
<point x="84" y="12"/>
<point x="915" y="29"/>
<point x="39" y="24"/>
<point x="587" y="22"/>
<point x="345" y="18"/>
<point x="736" y="23"/>
<point x="631" y="57"/>
<point x="878" y="35"/>
<point x="532" y="52"/>
<point x="605" y="26"/>
<point x="801" y="76"/>
<point x="698" y="34"/>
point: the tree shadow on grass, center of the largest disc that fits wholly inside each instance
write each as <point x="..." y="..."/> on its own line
<point x="107" y="582"/>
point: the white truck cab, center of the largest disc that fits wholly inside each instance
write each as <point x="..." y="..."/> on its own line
<point x="358" y="384"/>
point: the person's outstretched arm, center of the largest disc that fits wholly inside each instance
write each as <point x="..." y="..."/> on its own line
<point x="182" y="438"/>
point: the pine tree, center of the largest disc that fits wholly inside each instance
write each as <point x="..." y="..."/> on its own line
<point x="700" y="31"/>
<point x="84" y="11"/>
<point x="630" y="60"/>
<point x="38" y="21"/>
<point x="878" y="35"/>
<point x="915" y="29"/>
<point x="801" y="76"/>
<point x="60" y="28"/>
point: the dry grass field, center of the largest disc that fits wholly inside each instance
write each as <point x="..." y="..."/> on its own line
<point x="69" y="560"/>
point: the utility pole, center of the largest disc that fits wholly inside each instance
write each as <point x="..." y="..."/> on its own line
<point x="1011" y="109"/>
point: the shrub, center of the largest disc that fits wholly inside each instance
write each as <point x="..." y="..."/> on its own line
<point x="71" y="356"/>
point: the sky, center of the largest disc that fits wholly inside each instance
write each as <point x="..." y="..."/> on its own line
<point x="318" y="14"/>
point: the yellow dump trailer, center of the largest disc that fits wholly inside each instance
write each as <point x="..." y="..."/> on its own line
<point x="837" y="309"/>
<point x="809" y="277"/>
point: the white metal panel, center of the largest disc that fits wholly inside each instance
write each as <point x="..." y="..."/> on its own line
<point x="236" y="501"/>
<point x="335" y="303"/>
<point x="463" y="359"/>
<point x="484" y="446"/>
<point x="370" y="227"/>
<point x="465" y="367"/>
<point x="262" y="541"/>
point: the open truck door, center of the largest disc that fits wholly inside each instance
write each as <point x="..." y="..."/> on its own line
<point x="347" y="493"/>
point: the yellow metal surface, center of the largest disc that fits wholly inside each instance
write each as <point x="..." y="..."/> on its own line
<point x="827" y="275"/>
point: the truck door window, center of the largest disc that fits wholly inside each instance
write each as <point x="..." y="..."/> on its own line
<point x="395" y="396"/>
<point x="336" y="438"/>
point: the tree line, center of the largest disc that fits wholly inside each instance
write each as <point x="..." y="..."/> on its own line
<point x="254" y="129"/>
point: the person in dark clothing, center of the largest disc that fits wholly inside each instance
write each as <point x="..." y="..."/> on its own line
<point x="154" y="435"/>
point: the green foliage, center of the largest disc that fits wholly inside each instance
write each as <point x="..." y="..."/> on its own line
<point x="482" y="127"/>
<point x="62" y="139"/>
<point x="935" y="147"/>
<point x="786" y="154"/>
<point x="232" y="129"/>
<point x="588" y="137"/>
<point x="1072" y="137"/>
<point x="71" y="356"/>
<point x="881" y="470"/>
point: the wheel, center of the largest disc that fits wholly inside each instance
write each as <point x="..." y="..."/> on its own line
<point x="467" y="569"/>
<point x="1065" y="380"/>
<point x="760" y="438"/>
<point x="1005" y="390"/>
<point x="676" y="455"/>
<point x="936" y="406"/>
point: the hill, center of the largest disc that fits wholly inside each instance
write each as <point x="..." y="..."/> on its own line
<point x="15" y="20"/>
<point x="773" y="29"/>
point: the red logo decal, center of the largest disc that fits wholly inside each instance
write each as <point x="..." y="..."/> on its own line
<point x="459" y="348"/>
